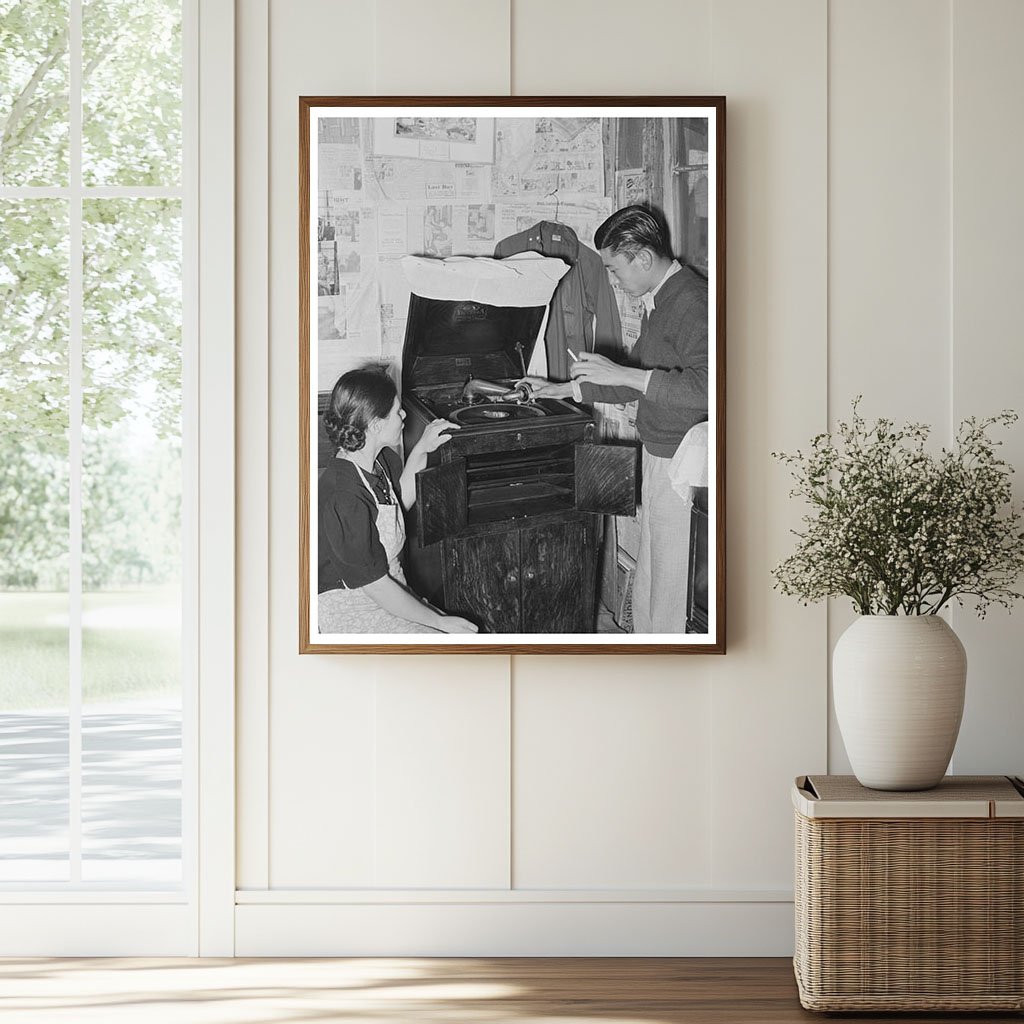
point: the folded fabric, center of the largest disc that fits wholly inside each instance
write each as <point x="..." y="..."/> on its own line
<point x="689" y="465"/>
<point x="527" y="279"/>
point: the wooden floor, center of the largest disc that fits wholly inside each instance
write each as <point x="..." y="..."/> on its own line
<point x="413" y="991"/>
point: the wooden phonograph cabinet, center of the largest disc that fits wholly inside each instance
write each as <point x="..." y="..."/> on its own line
<point x="508" y="512"/>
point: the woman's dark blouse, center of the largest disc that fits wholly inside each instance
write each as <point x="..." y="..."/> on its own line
<point x="349" y="550"/>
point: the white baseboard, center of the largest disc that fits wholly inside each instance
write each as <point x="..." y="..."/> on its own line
<point x="98" y="928"/>
<point x="520" y="928"/>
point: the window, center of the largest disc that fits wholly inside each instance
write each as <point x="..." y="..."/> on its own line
<point x="95" y="464"/>
<point x="687" y="203"/>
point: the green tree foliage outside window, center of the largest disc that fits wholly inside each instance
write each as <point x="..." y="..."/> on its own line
<point x="131" y="308"/>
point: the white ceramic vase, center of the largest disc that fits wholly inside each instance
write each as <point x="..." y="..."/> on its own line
<point x="898" y="684"/>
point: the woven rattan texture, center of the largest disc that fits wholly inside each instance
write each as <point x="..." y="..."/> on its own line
<point x="960" y="787"/>
<point x="916" y="914"/>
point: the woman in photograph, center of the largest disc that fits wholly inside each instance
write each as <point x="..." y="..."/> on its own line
<point x="362" y="492"/>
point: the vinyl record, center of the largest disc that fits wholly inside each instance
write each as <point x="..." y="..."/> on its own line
<point x="494" y="412"/>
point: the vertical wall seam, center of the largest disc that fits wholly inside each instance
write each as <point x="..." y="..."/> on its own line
<point x="376" y="62"/>
<point x="511" y="50"/>
<point x="950" y="150"/>
<point x="265" y="737"/>
<point x="949" y="234"/>
<point x="950" y="156"/>
<point x="828" y="341"/>
<point x="711" y="44"/>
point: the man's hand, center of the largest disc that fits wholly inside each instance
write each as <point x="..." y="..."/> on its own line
<point x="543" y="388"/>
<point x="591" y="368"/>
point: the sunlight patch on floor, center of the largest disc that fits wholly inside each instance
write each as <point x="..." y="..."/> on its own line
<point x="220" y="991"/>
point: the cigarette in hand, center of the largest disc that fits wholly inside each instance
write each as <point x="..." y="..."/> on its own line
<point x="575" y="358"/>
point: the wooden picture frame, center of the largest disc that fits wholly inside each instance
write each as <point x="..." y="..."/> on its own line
<point x="446" y="238"/>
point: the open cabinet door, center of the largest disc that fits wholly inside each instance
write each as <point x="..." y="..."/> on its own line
<point x="441" y="501"/>
<point x="606" y="478"/>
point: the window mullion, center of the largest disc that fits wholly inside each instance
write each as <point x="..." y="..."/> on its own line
<point x="95" y="191"/>
<point x="75" y="334"/>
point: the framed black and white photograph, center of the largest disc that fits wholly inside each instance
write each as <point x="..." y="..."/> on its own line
<point x="512" y="375"/>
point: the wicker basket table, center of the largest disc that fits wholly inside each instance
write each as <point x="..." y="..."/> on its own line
<point x="910" y="901"/>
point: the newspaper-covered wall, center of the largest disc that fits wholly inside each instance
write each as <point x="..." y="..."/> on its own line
<point x="390" y="188"/>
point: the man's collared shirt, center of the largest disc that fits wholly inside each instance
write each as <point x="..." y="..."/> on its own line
<point x="648" y="300"/>
<point x="648" y="297"/>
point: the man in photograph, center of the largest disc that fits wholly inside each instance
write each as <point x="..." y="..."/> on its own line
<point x="668" y="377"/>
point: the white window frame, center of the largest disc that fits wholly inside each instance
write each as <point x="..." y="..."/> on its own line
<point x="51" y="919"/>
<point x="216" y="394"/>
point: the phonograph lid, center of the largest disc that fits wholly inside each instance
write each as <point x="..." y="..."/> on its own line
<point x="474" y="316"/>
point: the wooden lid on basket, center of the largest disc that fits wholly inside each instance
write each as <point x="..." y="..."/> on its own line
<point x="957" y="796"/>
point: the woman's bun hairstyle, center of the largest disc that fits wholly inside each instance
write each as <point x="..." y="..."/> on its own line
<point x="359" y="397"/>
<point x="346" y="436"/>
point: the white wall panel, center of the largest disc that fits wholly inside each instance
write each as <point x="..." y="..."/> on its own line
<point x="611" y="754"/>
<point x="889" y="246"/>
<point x="889" y="209"/>
<point x="987" y="364"/>
<point x="442" y="48"/>
<point x="612" y="784"/>
<point x="581" y="48"/>
<point x="323" y="778"/>
<point x="769" y="692"/>
<point x="442" y="770"/>
<point x="320" y="754"/>
<point x="325" y="732"/>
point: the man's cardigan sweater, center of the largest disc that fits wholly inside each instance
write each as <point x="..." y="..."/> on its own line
<point x="673" y="343"/>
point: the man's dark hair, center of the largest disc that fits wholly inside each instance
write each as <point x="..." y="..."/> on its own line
<point x="634" y="228"/>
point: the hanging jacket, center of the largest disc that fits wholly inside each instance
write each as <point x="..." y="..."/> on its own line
<point x="581" y="296"/>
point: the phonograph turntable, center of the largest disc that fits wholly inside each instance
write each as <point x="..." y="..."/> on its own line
<point x="506" y="530"/>
<point x="493" y="413"/>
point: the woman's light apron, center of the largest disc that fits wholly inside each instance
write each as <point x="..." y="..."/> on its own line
<point x="353" y="610"/>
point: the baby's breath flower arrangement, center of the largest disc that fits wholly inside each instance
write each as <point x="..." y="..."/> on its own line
<point x="899" y="530"/>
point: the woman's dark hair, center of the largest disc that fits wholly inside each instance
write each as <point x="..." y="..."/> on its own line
<point x="359" y="397"/>
<point x="634" y="228"/>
